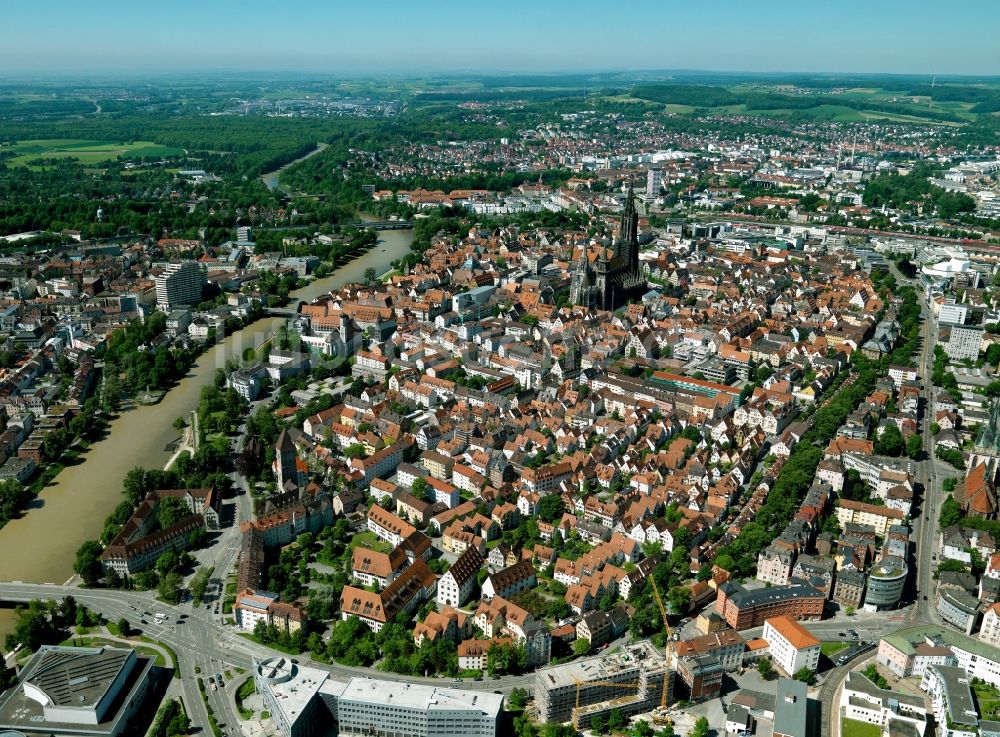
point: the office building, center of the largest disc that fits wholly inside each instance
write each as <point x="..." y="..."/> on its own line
<point x="365" y="707"/>
<point x="885" y="584"/>
<point x="78" y="692"/>
<point x="743" y="609"/>
<point x="953" y="314"/>
<point x="304" y="701"/>
<point x="180" y="284"/>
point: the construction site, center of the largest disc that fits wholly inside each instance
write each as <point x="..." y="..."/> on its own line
<point x="634" y="680"/>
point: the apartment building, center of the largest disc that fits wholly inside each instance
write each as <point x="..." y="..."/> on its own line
<point x="792" y="646"/>
<point x="743" y="609"/>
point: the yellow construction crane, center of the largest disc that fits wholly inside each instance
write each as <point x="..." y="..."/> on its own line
<point x="668" y="649"/>
<point x="621" y="684"/>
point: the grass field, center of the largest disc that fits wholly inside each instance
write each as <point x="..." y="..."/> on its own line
<point x="854" y="728"/>
<point x="29" y="153"/>
<point x="829" y="649"/>
<point x="988" y="698"/>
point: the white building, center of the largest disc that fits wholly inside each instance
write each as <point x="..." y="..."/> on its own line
<point x="180" y="284"/>
<point x="863" y="701"/>
<point x="791" y="645"/>
<point x="458" y="583"/>
<point x="368" y="706"/>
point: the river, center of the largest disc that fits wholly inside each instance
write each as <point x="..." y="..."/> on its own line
<point x="40" y="546"/>
<point x="271" y="178"/>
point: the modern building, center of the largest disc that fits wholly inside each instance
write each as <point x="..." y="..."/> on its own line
<point x="365" y="707"/>
<point x="958" y="609"/>
<point x="304" y="701"/>
<point x="791" y="645"/>
<point x="885" y="584"/>
<point x="654" y="181"/>
<point x="964" y="342"/>
<point x="951" y="699"/>
<point x="911" y="651"/>
<point x="953" y="314"/>
<point x="700" y="677"/>
<point x="180" y="284"/>
<point x="896" y="712"/>
<point x="78" y="692"/>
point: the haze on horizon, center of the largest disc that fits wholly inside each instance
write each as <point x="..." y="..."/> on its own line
<point x="118" y="37"/>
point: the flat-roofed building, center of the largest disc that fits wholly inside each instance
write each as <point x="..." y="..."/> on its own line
<point x="78" y="692"/>
<point x="791" y="709"/>
<point x="369" y="706"/>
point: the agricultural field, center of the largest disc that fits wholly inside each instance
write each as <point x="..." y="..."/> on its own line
<point x="34" y="153"/>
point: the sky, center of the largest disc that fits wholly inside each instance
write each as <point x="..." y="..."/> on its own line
<point x="434" y="36"/>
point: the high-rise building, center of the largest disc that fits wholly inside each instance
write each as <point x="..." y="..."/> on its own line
<point x="180" y="284"/>
<point x="244" y="234"/>
<point x="964" y="342"/>
<point x="654" y="182"/>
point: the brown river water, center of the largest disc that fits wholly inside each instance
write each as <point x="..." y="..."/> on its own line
<point x="41" y="545"/>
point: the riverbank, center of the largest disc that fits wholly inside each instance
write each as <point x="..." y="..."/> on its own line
<point x="41" y="545"/>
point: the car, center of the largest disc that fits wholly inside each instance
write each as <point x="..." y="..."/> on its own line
<point x="841" y="634"/>
<point x="213" y="685"/>
<point x="934" y="557"/>
<point x="925" y="597"/>
<point x="143" y="621"/>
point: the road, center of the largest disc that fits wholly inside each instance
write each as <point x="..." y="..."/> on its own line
<point x="930" y="473"/>
<point x="202" y="640"/>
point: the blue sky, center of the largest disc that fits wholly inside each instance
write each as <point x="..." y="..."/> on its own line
<point x="375" y="36"/>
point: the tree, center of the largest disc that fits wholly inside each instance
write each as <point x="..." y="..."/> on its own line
<point x="354" y="450"/>
<point x="370" y="275"/>
<point x="167" y="563"/>
<point x="951" y="512"/>
<point x="700" y="727"/>
<point x="890" y="442"/>
<point x="581" y="646"/>
<point x="680" y="599"/>
<point x="124" y="627"/>
<point x="642" y="729"/>
<point x="420" y="487"/>
<point x="598" y="724"/>
<point x="616" y="720"/>
<point x="914" y="446"/>
<point x="805" y="675"/>
<point x="551" y="508"/>
<point x="170" y="588"/>
<point x="765" y="668"/>
<point x="88" y="562"/>
<point x="872" y="674"/>
<point x="517" y="700"/>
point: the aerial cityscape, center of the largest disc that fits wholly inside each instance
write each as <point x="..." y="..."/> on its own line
<point x="527" y="371"/>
